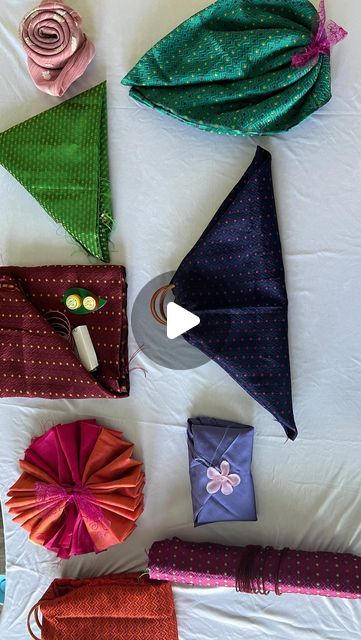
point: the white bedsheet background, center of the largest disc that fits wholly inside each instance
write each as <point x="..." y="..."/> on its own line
<point x="168" y="180"/>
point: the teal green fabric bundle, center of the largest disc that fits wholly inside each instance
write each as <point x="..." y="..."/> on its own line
<point x="231" y="67"/>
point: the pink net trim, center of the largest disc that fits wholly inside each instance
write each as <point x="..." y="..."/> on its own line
<point x="326" y="34"/>
<point x="56" y="497"/>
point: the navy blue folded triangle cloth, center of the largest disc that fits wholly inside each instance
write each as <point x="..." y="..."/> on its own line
<point x="220" y="459"/>
<point x="233" y="279"/>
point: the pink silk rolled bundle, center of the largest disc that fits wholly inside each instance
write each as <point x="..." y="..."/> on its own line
<point x="57" y="49"/>
<point x="256" y="569"/>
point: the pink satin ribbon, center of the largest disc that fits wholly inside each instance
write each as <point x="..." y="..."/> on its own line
<point x="58" y="51"/>
<point x="326" y="34"/>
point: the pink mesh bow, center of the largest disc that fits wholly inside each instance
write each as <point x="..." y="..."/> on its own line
<point x="58" y="497"/>
<point x="325" y="35"/>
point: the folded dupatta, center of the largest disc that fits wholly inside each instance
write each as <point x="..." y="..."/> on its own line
<point x="256" y="569"/>
<point x="113" y="607"/>
<point x="220" y="457"/>
<point x="35" y="361"/>
<point x="233" y="280"/>
<point x="241" y="67"/>
<point x="61" y="157"/>
<point x="80" y="490"/>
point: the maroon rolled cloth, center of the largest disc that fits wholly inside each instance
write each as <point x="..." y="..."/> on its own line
<point x="256" y="569"/>
<point x="37" y="357"/>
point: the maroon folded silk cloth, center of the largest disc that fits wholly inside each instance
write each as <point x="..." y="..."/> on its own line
<point x="35" y="361"/>
<point x="256" y="569"/>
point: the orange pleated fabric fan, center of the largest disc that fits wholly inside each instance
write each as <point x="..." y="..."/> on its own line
<point x="80" y="490"/>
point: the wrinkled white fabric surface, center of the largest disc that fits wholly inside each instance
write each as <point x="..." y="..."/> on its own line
<point x="168" y="180"/>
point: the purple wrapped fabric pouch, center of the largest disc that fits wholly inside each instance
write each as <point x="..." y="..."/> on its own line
<point x="220" y="458"/>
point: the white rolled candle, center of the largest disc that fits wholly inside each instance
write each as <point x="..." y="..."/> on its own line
<point x="85" y="348"/>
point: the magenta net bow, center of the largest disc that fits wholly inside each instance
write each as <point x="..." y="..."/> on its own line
<point x="325" y="35"/>
<point x="51" y="495"/>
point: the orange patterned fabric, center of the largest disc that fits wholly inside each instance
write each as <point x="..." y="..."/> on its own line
<point x="81" y="490"/>
<point x="116" y="607"/>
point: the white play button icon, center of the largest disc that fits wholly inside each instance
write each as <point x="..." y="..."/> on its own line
<point x="161" y="336"/>
<point x="179" y="320"/>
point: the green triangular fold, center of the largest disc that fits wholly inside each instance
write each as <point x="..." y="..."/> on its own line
<point x="61" y="157"/>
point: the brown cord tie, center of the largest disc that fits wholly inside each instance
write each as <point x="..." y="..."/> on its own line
<point x="283" y="554"/>
<point x="162" y="292"/>
<point x="35" y="611"/>
<point x="248" y="580"/>
<point x="245" y="570"/>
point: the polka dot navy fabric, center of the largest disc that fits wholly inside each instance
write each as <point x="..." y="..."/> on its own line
<point x="233" y="279"/>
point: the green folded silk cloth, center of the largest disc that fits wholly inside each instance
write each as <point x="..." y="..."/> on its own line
<point x="241" y="67"/>
<point x="61" y="157"/>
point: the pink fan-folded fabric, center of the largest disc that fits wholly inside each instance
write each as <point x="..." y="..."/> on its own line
<point x="80" y="489"/>
<point x="57" y="49"/>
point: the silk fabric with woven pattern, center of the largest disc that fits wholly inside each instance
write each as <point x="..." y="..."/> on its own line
<point x="335" y="575"/>
<point x="229" y="68"/>
<point x="61" y="157"/>
<point x="81" y="490"/>
<point x="233" y="280"/>
<point x="124" y="606"/>
<point x="35" y="361"/>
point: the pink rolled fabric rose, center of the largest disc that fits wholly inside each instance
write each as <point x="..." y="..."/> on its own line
<point x="57" y="49"/>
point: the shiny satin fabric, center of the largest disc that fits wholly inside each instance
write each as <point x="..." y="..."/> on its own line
<point x="35" y="360"/>
<point x="233" y="280"/>
<point x="80" y="490"/>
<point x="113" y="607"/>
<point x="211" y="442"/>
<point x="57" y="49"/>
<point x="256" y="569"/>
<point x="61" y="158"/>
<point x="228" y="69"/>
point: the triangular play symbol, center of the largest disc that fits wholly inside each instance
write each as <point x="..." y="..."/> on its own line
<point x="179" y="320"/>
<point x="61" y="157"/>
